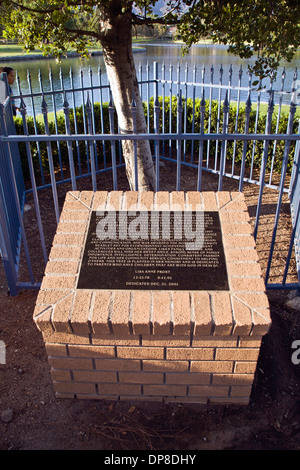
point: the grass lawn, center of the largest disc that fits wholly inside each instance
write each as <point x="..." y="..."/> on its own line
<point x="10" y="50"/>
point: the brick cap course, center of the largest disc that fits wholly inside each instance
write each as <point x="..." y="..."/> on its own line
<point x="242" y="310"/>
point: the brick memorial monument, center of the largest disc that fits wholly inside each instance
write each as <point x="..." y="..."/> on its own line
<point x="153" y="296"/>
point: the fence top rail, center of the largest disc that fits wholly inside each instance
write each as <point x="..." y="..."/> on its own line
<point x="135" y="137"/>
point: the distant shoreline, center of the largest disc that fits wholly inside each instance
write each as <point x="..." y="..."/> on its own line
<point x="70" y="55"/>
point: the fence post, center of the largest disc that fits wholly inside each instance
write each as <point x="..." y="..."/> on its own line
<point x="7" y="251"/>
<point x="17" y="215"/>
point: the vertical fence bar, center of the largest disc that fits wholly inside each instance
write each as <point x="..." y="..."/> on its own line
<point x="245" y="143"/>
<point x="148" y="97"/>
<point x="111" y="111"/>
<point x="202" y="111"/>
<point x="186" y="71"/>
<point x="209" y="112"/>
<point x="193" y="104"/>
<point x="264" y="162"/>
<point x="219" y="115"/>
<point x="134" y="112"/>
<point x="84" y="118"/>
<point x="33" y="182"/>
<point x="277" y="124"/>
<point x="75" y="119"/>
<point x="163" y="104"/>
<point x="282" y="180"/>
<point x="88" y="109"/>
<point x="66" y="110"/>
<point x="50" y="160"/>
<point x="223" y="147"/>
<point x="170" y="109"/>
<point x="93" y="115"/>
<point x="179" y="133"/>
<point x="236" y="119"/>
<point x="35" y="126"/>
<point x="101" y="114"/>
<point x="54" y="114"/>
<point x="255" y="128"/>
<point x="156" y="143"/>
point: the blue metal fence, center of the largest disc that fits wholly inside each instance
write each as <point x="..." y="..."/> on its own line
<point x="81" y="140"/>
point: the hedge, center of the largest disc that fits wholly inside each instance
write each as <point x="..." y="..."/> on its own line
<point x="190" y="110"/>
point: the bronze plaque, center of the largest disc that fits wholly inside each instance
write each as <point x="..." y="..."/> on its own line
<point x="154" y="251"/>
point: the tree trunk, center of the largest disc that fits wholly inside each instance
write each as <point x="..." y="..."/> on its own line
<point x="121" y="72"/>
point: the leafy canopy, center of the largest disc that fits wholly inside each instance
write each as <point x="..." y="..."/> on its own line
<point x="267" y="29"/>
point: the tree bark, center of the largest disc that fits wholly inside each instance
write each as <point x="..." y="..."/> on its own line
<point x="118" y="57"/>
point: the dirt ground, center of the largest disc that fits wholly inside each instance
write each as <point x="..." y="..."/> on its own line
<point x="32" y="418"/>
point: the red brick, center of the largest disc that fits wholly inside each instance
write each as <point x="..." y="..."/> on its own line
<point x="177" y="200"/>
<point x="188" y="378"/>
<point x="100" y="312"/>
<point x="94" y="376"/>
<point x="242" y="318"/>
<point x="202" y="313"/>
<point x="194" y="201"/>
<point x="232" y="379"/>
<point x="42" y="318"/>
<point x="208" y="391"/>
<point x="119" y="389"/>
<point x="181" y="313"/>
<point x="118" y="364"/>
<point x="190" y="353"/>
<point x="212" y="366"/>
<point x="161" y="313"/>
<point x="171" y="366"/>
<point x="246" y="367"/>
<point x="222" y="313"/>
<point x="91" y="351"/>
<point x="141" y="377"/>
<point x="71" y="363"/>
<point x="80" y="313"/>
<point x="74" y="387"/>
<point x="237" y="354"/>
<point x="61" y="315"/>
<point x="162" y="390"/>
<point x="140" y="352"/>
<point x="120" y="312"/>
<point x="141" y="312"/>
<point x="209" y="201"/>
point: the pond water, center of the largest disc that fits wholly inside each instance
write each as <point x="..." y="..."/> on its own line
<point x="176" y="65"/>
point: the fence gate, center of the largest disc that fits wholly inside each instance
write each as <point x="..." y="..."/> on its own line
<point x="12" y="193"/>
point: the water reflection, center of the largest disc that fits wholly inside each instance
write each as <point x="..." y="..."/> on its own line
<point x="195" y="66"/>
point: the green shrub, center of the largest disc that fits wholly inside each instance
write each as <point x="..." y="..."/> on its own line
<point x="191" y="118"/>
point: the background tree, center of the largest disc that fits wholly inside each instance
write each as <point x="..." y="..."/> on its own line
<point x="266" y="28"/>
